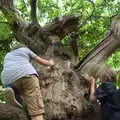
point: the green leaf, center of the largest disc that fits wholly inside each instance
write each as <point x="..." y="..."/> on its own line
<point x="99" y="1"/>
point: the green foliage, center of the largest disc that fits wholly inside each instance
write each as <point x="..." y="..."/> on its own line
<point x="1" y="96"/>
<point x="99" y="1"/>
<point x="114" y="60"/>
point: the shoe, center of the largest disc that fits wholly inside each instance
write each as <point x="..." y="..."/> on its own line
<point x="9" y="96"/>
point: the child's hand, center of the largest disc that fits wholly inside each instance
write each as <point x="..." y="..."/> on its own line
<point x="92" y="80"/>
<point x="51" y="62"/>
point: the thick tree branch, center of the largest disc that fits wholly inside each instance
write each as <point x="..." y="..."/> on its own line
<point x="33" y="11"/>
<point x="62" y="26"/>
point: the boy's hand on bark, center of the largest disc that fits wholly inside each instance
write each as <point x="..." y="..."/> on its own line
<point x="92" y="80"/>
<point x="51" y="62"/>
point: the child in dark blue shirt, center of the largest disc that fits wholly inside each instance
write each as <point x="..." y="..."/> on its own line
<point x="107" y="94"/>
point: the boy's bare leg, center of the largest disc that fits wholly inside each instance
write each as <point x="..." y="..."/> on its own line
<point x="40" y="117"/>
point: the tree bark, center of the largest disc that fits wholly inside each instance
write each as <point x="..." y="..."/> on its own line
<point x="65" y="92"/>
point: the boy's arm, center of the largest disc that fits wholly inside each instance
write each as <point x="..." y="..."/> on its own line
<point x="91" y="80"/>
<point x="39" y="59"/>
<point x="44" y="61"/>
<point x="92" y="89"/>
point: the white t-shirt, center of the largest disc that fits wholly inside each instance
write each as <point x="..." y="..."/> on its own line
<point x="17" y="65"/>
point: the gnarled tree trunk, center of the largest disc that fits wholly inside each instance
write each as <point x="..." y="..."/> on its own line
<point x="65" y="92"/>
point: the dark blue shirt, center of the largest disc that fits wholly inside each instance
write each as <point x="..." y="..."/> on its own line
<point x="109" y="98"/>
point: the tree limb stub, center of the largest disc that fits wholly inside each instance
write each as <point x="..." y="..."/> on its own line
<point x="62" y="26"/>
<point x="73" y="43"/>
